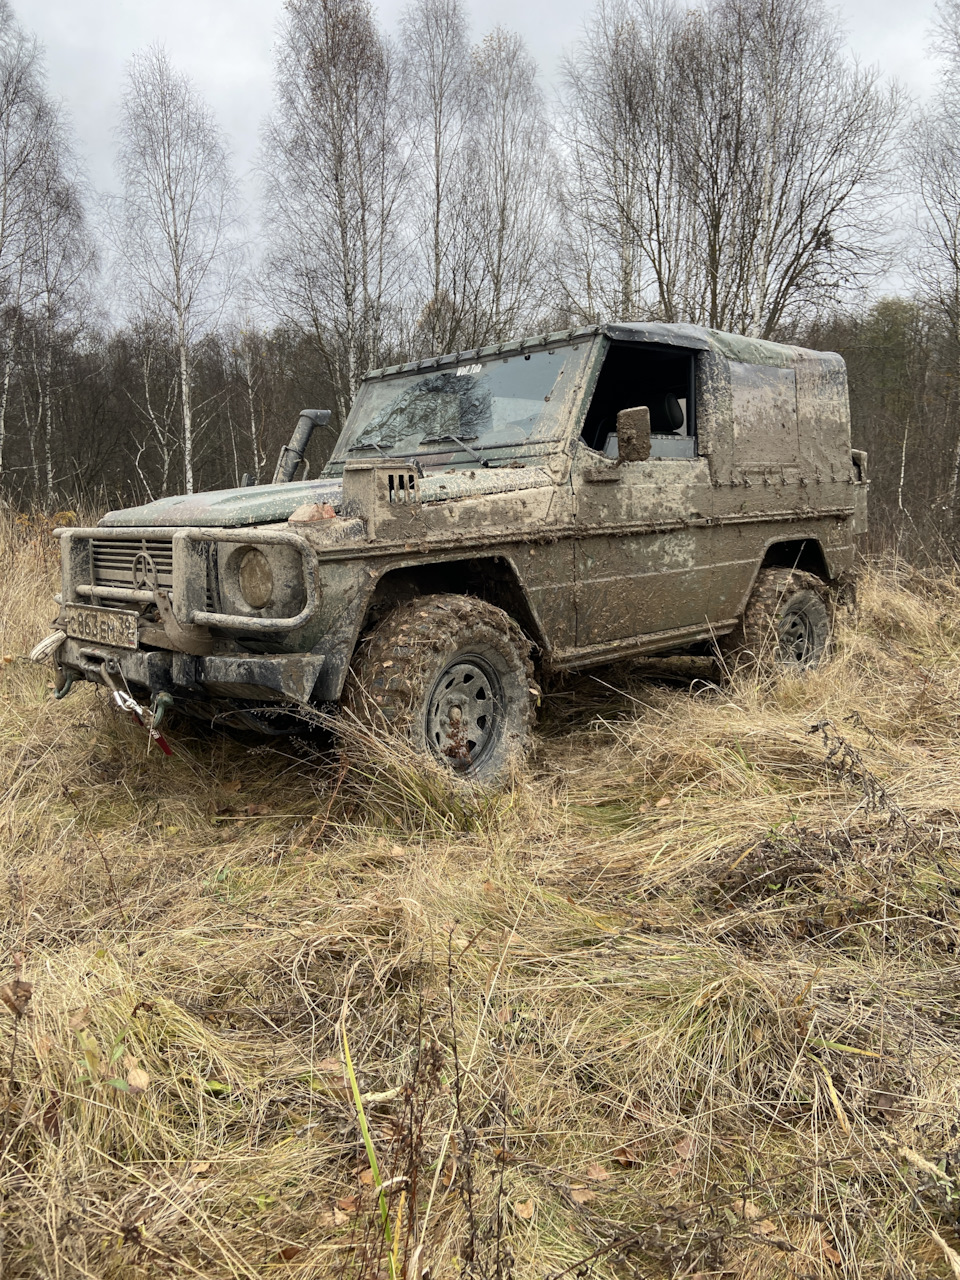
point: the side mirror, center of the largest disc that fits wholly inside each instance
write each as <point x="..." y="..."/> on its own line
<point x="633" y="434"/>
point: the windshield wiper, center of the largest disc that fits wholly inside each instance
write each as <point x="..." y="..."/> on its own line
<point x="368" y="444"/>
<point x="484" y="462"/>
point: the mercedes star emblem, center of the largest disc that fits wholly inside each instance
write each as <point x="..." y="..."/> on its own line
<point x="144" y="572"/>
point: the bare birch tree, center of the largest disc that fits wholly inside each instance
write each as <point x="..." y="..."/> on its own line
<point x="175" y="225"/>
<point x="731" y="160"/>
<point x="621" y="200"/>
<point x="63" y="260"/>
<point x="810" y="158"/>
<point x="246" y="346"/>
<point x="334" y="185"/>
<point x="510" y="149"/>
<point x="933" y="160"/>
<point x="437" y="88"/>
<point x="28" y="135"/>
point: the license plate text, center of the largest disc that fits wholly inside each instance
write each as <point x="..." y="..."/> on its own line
<point x="104" y="626"/>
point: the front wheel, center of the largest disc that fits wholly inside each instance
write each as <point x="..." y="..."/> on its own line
<point x="451" y="677"/>
<point x="786" y="624"/>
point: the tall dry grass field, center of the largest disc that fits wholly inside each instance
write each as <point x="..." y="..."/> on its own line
<point x="683" y="1002"/>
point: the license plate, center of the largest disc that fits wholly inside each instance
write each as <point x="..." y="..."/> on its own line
<point x="104" y="626"/>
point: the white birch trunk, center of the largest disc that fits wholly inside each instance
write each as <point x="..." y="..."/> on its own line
<point x="4" y="398"/>
<point x="186" y="406"/>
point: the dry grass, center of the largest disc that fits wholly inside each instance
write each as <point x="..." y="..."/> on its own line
<point x="682" y="1002"/>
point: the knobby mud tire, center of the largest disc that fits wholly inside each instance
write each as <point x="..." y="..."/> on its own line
<point x="781" y="597"/>
<point x="393" y="682"/>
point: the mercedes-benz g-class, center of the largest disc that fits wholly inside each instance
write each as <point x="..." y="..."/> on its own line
<point x="545" y="504"/>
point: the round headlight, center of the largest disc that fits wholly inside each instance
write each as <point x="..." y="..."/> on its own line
<point x="256" y="579"/>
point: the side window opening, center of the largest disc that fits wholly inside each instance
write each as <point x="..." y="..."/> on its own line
<point x="663" y="380"/>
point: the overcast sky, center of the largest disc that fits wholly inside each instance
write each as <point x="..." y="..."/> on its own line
<point x="226" y="47"/>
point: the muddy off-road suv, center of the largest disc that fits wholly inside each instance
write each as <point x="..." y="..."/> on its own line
<point x="542" y="505"/>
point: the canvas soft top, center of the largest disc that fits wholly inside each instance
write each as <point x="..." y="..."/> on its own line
<point x="692" y="336"/>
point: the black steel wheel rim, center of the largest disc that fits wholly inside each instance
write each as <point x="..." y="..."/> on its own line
<point x="798" y="638"/>
<point x="465" y="713"/>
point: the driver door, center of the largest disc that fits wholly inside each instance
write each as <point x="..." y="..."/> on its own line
<point x="643" y="561"/>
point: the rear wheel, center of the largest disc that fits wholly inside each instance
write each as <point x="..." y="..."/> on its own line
<point x="451" y="677"/>
<point x="786" y="624"/>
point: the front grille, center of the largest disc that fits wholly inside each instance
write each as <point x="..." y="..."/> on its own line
<point x="133" y="563"/>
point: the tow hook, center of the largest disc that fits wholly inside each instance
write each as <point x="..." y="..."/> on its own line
<point x="159" y="707"/>
<point x="126" y="702"/>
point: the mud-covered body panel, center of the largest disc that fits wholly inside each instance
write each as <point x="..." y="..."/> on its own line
<point x="595" y="557"/>
<point x="226" y="508"/>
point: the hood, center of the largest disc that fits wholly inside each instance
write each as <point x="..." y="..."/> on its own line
<point x="229" y="508"/>
<point x="272" y="503"/>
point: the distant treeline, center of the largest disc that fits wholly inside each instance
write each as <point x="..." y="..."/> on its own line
<point x="422" y="192"/>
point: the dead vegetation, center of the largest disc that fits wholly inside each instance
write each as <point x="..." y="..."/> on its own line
<point x="682" y="1002"/>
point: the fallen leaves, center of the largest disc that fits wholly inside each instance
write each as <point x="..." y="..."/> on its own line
<point x="686" y="1149"/>
<point x="830" y="1253"/>
<point x="628" y="1157"/>
<point x="50" y="1116"/>
<point x="581" y="1194"/>
<point x="138" y="1079"/>
<point x="78" y="1021"/>
<point x="597" y="1172"/>
<point x="764" y="1227"/>
<point x="16" y="996"/>
<point x="760" y="1225"/>
<point x="886" y="1105"/>
<point x="524" y="1209"/>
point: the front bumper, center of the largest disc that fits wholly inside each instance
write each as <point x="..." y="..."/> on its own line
<point x="284" y="677"/>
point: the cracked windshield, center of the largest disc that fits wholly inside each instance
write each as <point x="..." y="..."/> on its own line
<point x="497" y="402"/>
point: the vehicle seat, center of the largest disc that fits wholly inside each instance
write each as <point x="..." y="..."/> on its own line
<point x="668" y="416"/>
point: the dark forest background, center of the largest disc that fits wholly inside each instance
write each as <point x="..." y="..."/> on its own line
<point x="424" y="191"/>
